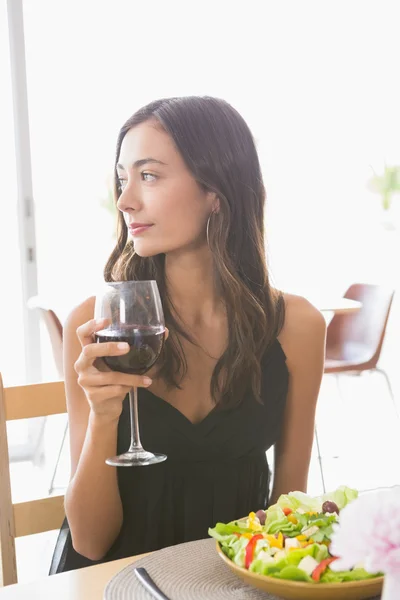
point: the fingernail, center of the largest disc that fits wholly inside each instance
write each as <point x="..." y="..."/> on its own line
<point x="123" y="346"/>
<point x="147" y="381"/>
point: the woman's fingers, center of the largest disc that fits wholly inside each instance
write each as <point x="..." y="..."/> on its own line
<point x="112" y="378"/>
<point x="91" y="352"/>
<point x="86" y="331"/>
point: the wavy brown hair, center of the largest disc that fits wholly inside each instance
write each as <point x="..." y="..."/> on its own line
<point x="218" y="149"/>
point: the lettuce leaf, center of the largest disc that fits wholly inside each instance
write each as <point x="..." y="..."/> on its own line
<point x="341" y="497"/>
<point x="228" y="551"/>
<point x="239" y="551"/>
<point x="222" y="530"/>
<point x="273" y="513"/>
<point x="317" y="551"/>
<point x="284" y="526"/>
<point x="321" y="520"/>
<point x="338" y="576"/>
<point x="294" y="574"/>
<point x="277" y="521"/>
<point x="295" y="500"/>
<point x="264" y="568"/>
<point x="235" y="549"/>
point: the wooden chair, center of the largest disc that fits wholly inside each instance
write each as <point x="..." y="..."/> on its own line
<point x="54" y="329"/>
<point x="354" y="341"/>
<point x="36" y="516"/>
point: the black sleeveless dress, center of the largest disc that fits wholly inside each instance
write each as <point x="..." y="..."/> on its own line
<point x="216" y="470"/>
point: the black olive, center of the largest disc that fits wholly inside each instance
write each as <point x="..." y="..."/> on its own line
<point x="261" y="516"/>
<point x="330" y="507"/>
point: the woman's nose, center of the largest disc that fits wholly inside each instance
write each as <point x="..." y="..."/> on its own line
<point x="129" y="199"/>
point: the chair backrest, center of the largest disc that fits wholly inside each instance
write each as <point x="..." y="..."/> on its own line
<point x="365" y="328"/>
<point x="36" y="516"/>
<point x="54" y="328"/>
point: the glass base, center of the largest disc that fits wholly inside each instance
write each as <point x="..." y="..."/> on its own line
<point x="138" y="458"/>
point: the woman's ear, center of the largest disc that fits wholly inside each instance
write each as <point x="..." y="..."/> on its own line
<point x="214" y="200"/>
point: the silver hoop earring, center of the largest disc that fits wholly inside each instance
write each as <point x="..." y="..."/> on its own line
<point x="207" y="228"/>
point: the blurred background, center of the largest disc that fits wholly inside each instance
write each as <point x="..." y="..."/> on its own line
<point x="317" y="83"/>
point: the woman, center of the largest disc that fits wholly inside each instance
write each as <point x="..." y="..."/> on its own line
<point x="242" y="366"/>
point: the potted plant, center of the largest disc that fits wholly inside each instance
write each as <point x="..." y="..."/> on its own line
<point x="387" y="185"/>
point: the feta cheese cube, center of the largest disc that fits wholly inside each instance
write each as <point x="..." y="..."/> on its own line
<point x="265" y="557"/>
<point x="279" y="555"/>
<point x="308" y="564"/>
<point x="292" y="543"/>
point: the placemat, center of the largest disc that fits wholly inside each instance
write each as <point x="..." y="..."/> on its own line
<point x="190" y="571"/>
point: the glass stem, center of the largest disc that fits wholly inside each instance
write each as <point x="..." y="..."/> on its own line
<point x="133" y="408"/>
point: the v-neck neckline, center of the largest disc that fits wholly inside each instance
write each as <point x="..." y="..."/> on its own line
<point x="200" y="425"/>
<point x="180" y="413"/>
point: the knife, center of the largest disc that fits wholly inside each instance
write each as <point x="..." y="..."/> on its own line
<point x="149" y="584"/>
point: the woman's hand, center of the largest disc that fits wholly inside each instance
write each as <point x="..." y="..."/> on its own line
<point x="105" y="390"/>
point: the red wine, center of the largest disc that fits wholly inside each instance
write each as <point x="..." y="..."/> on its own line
<point x="145" y="347"/>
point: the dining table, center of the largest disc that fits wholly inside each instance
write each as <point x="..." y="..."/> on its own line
<point x="187" y="571"/>
<point x="338" y="306"/>
<point x="326" y="301"/>
<point x="82" y="584"/>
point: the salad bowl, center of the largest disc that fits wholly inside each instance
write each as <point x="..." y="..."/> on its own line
<point x="299" y="590"/>
<point x="285" y="550"/>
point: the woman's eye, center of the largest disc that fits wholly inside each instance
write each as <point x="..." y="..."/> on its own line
<point x="148" y="176"/>
<point x="122" y="184"/>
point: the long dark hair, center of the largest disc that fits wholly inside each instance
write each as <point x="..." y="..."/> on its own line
<point x="218" y="149"/>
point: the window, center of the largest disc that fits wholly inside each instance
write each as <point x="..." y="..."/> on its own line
<point x="12" y="356"/>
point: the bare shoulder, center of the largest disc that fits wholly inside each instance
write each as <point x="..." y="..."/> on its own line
<point x="304" y="330"/>
<point x="80" y="314"/>
<point x="300" y="315"/>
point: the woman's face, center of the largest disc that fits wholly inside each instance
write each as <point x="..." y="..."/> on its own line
<point x="164" y="208"/>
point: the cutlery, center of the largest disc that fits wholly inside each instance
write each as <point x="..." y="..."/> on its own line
<point x="149" y="584"/>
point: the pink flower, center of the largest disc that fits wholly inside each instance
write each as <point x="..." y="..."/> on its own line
<point x="369" y="532"/>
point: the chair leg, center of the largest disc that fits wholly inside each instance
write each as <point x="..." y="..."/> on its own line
<point x="338" y="385"/>
<point x="319" y="459"/>
<point x="51" y="487"/>
<point x="382" y="372"/>
<point x="38" y="457"/>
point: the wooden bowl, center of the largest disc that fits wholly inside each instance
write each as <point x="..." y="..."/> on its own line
<point x="300" y="590"/>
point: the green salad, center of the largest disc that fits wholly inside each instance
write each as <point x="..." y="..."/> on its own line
<point x="291" y="539"/>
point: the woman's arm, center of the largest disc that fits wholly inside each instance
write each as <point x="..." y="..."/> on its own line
<point x="303" y="341"/>
<point x="92" y="502"/>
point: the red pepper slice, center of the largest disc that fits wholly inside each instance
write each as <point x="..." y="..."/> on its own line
<point x="250" y="549"/>
<point x="316" y="574"/>
<point x="287" y="511"/>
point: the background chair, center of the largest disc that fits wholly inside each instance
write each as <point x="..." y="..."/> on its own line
<point x="37" y="516"/>
<point x="55" y="331"/>
<point x="354" y="340"/>
<point x="32" y="447"/>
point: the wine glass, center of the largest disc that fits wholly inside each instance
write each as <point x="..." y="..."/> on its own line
<point x="134" y="315"/>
